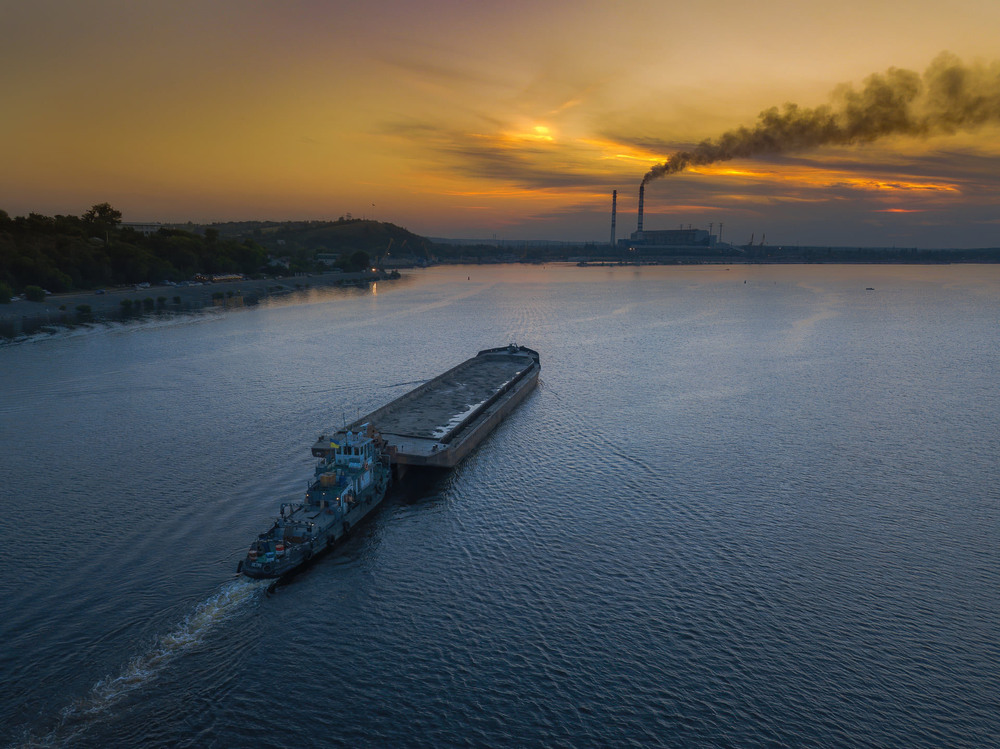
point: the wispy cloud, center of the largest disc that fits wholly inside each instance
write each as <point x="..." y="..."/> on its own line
<point x="529" y="157"/>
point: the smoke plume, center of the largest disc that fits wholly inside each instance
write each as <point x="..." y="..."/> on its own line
<point x="948" y="97"/>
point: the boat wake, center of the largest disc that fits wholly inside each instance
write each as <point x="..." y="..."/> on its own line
<point x="145" y="668"/>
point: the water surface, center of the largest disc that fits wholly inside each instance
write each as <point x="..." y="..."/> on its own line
<point x="746" y="506"/>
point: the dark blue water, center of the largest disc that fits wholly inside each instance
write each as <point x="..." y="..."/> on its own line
<point x="732" y="514"/>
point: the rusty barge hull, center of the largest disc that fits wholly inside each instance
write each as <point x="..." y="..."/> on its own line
<point x="440" y="422"/>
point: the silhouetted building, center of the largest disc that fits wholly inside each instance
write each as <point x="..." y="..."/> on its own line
<point x="669" y="238"/>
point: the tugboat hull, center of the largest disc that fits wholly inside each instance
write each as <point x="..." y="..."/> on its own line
<point x="349" y="483"/>
<point x="298" y="556"/>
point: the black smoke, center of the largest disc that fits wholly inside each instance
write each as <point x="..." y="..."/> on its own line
<point x="949" y="96"/>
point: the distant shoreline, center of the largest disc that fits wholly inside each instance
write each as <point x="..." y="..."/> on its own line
<point x="24" y="317"/>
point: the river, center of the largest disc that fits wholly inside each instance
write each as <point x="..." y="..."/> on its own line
<point x="746" y="506"/>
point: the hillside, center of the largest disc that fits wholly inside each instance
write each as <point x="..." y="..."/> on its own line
<point x="67" y="253"/>
<point x="343" y="236"/>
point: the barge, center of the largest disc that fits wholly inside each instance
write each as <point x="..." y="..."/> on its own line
<point x="435" y="425"/>
<point x="440" y="422"/>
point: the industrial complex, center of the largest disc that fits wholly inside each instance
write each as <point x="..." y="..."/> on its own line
<point x="682" y="241"/>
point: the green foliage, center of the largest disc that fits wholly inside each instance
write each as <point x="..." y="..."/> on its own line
<point x="5" y="291"/>
<point x="83" y="309"/>
<point x="126" y="305"/>
<point x="218" y="295"/>
<point x="356" y="262"/>
<point x="148" y="303"/>
<point x="34" y="293"/>
<point x="102" y="217"/>
<point x="63" y="253"/>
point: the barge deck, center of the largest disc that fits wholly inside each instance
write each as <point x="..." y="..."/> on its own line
<point x="440" y="422"/>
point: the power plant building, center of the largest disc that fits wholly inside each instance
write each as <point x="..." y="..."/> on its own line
<point x="672" y="238"/>
<point x="669" y="240"/>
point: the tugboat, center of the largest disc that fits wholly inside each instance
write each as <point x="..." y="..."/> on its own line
<point x="350" y="480"/>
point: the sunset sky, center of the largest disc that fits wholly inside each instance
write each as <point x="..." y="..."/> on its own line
<point x="458" y="119"/>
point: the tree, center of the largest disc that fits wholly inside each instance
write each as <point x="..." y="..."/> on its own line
<point x="34" y="293"/>
<point x="103" y="217"/>
<point x="360" y="259"/>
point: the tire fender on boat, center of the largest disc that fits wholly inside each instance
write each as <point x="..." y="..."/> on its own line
<point x="268" y="567"/>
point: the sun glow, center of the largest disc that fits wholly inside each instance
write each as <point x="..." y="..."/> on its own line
<point x="533" y="134"/>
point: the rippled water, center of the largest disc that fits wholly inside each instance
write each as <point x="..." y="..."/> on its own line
<point x="732" y="514"/>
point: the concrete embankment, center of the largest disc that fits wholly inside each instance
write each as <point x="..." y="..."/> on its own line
<point x="23" y="317"/>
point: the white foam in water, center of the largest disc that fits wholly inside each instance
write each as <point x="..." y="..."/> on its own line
<point x="142" y="669"/>
<point x="190" y="632"/>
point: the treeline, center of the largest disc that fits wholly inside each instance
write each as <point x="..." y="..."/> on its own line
<point x="63" y="253"/>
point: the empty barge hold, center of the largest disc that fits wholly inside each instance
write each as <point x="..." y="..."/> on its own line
<point x="442" y="421"/>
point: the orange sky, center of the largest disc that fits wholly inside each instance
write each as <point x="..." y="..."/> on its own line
<point x="514" y="120"/>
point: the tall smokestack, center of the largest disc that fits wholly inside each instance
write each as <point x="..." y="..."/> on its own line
<point x="642" y="198"/>
<point x="614" y="214"/>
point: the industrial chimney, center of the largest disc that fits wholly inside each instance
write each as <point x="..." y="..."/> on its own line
<point x="642" y="197"/>
<point x="614" y="214"/>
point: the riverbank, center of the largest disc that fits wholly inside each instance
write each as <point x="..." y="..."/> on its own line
<point x="60" y="310"/>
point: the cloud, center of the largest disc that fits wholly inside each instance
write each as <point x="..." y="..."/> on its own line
<point x="535" y="158"/>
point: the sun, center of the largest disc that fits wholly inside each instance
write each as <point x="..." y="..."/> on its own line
<point x="542" y="132"/>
